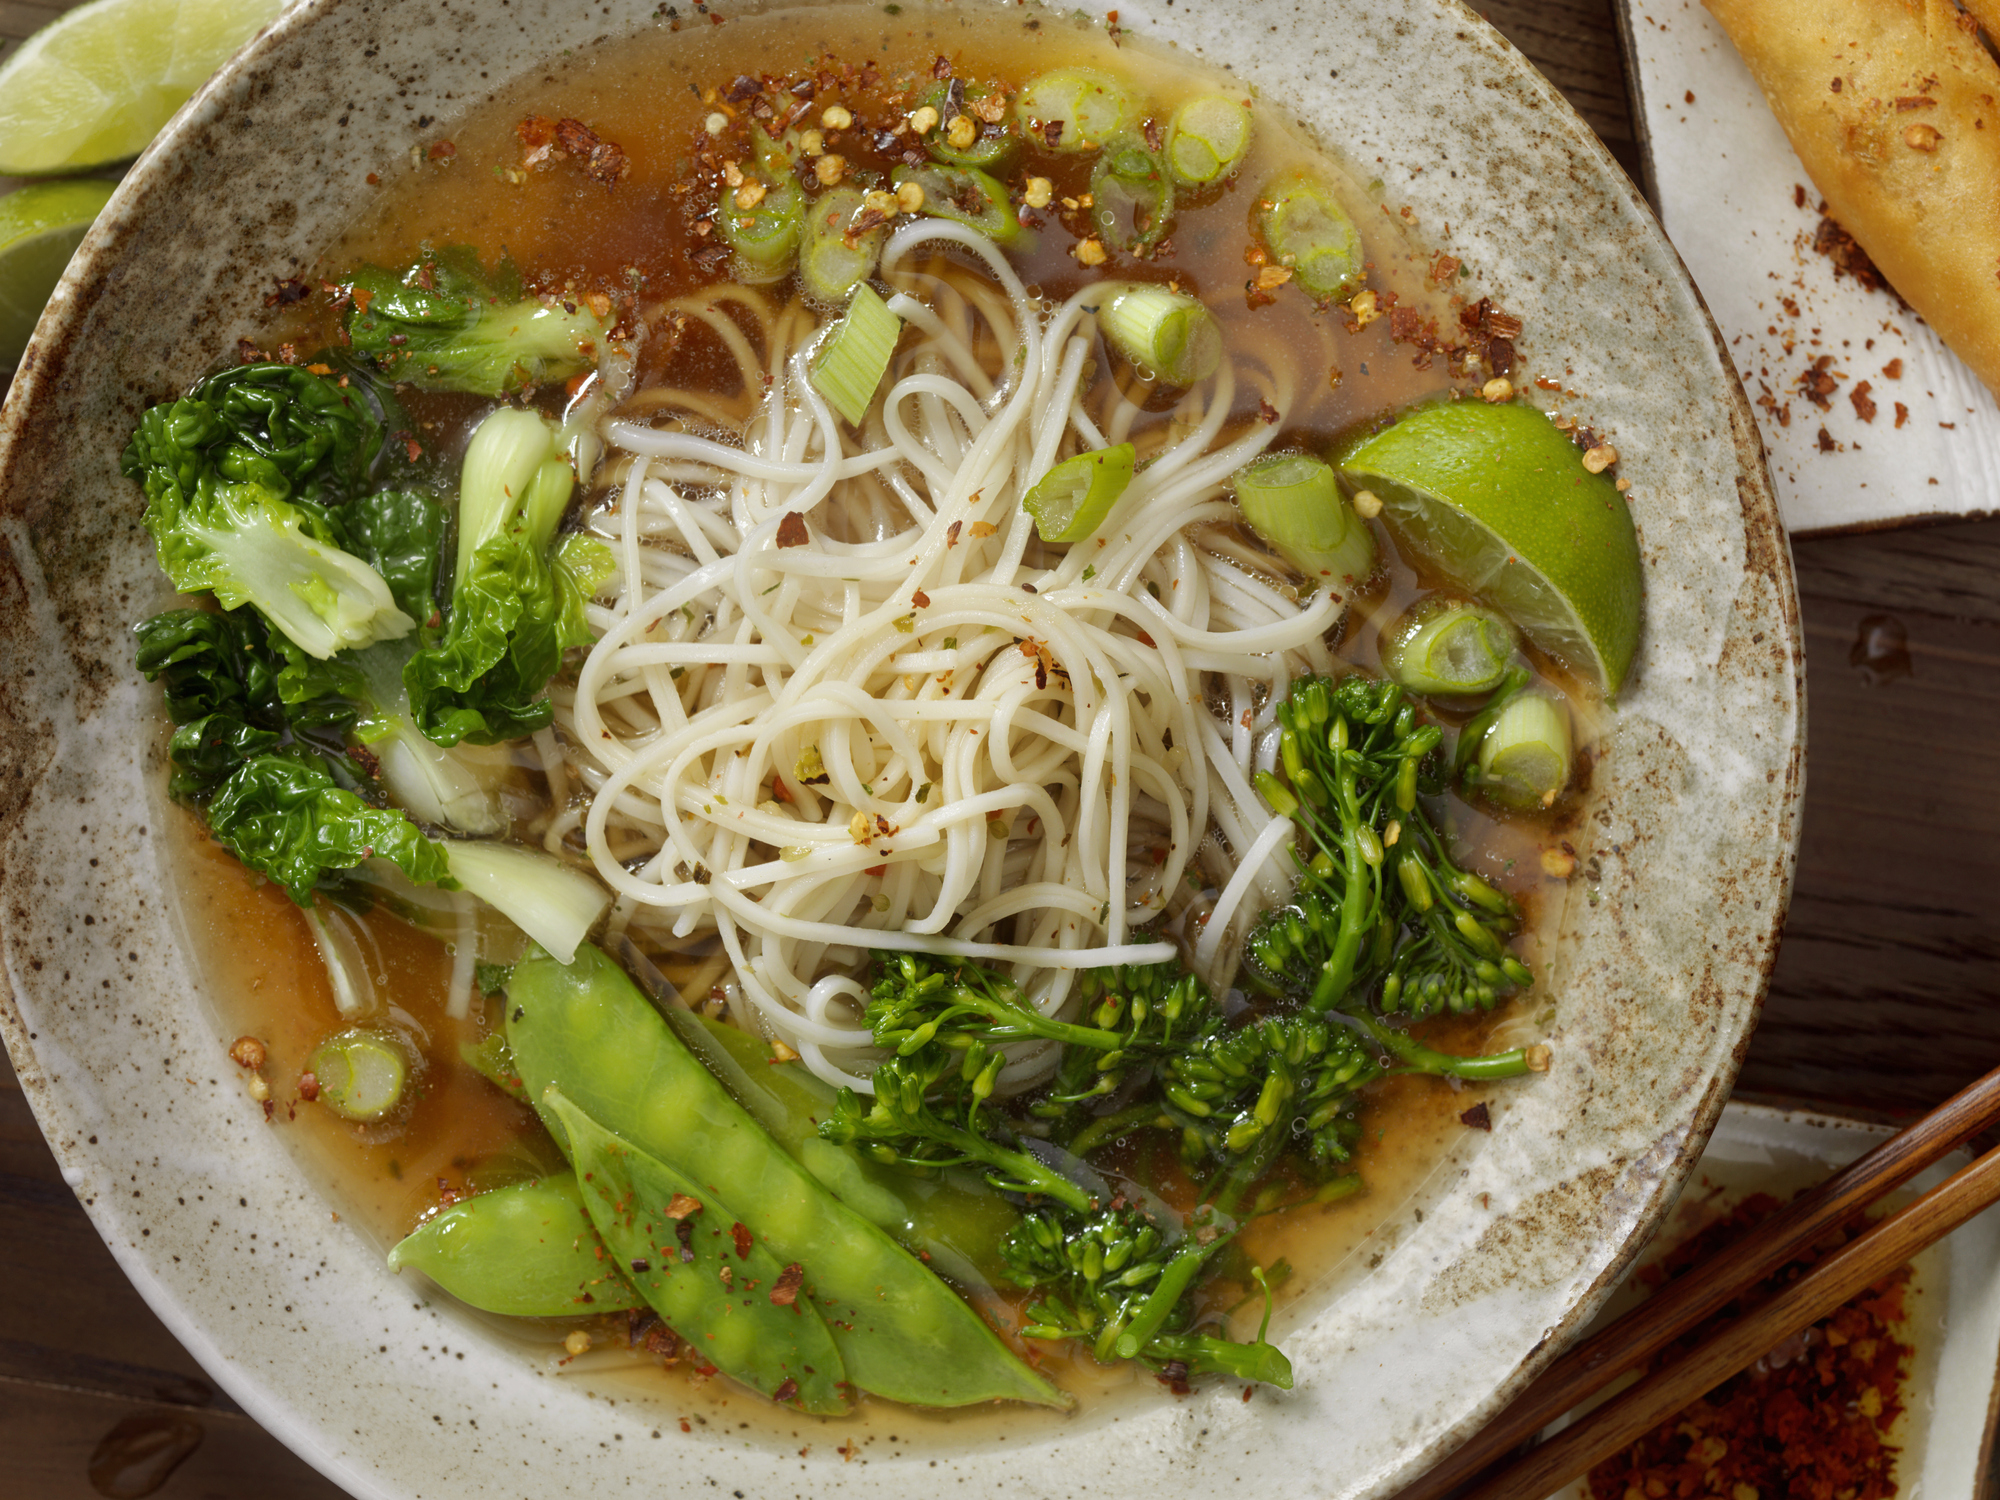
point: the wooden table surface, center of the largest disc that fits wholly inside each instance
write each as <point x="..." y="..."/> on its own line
<point x="1883" y="1000"/>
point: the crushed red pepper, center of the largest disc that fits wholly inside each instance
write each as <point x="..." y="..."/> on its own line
<point x="1808" y="1421"/>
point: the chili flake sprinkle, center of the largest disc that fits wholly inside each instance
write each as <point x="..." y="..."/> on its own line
<point x="1806" y="1422"/>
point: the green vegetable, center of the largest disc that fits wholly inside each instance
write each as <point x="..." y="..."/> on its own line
<point x="1293" y="501"/>
<point x="1303" y="227"/>
<point x="764" y="235"/>
<point x="236" y="691"/>
<point x="445" y="323"/>
<point x="1207" y="140"/>
<point x="516" y="599"/>
<point x="837" y="258"/>
<point x="238" y="477"/>
<point x="968" y="196"/>
<point x="1119" y="1283"/>
<point x="1072" y="499"/>
<point x="1076" y="109"/>
<point x="739" y="1306"/>
<point x="1524" y="757"/>
<point x="526" y="1251"/>
<point x="361" y="1073"/>
<point x="849" y="366"/>
<point x="399" y="533"/>
<point x="492" y="1059"/>
<point x="1379" y="898"/>
<point x="902" y="1332"/>
<point x="1167" y="333"/>
<point x="282" y="814"/>
<point x="554" y="903"/>
<point x="993" y="149"/>
<point x="1448" y="647"/>
<point x="950" y="1220"/>
<point x="1131" y="195"/>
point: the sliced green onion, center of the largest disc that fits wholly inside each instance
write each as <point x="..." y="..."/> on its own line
<point x="850" y="363"/>
<point x="1293" y="501"/>
<point x="765" y="236"/>
<point x="1168" y="333"/>
<point x="965" y="195"/>
<point x="1448" y="646"/>
<point x="836" y="258"/>
<point x="554" y="903"/>
<point x="1207" y="139"/>
<point x="1304" y="228"/>
<point x="1131" y="195"/>
<point x="1524" y="759"/>
<point x="1076" y="109"/>
<point x="360" y="1073"/>
<point x="1074" y="497"/>
<point x="993" y="149"/>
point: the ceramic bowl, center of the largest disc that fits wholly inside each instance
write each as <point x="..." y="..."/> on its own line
<point x="1666" y="935"/>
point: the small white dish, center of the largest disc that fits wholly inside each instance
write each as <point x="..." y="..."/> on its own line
<point x="1953" y="1297"/>
<point x="1741" y="210"/>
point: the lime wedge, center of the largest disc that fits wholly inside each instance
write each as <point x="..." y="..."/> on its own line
<point x="1074" y="497"/>
<point x="97" y="84"/>
<point x="39" y="229"/>
<point x="1499" y="500"/>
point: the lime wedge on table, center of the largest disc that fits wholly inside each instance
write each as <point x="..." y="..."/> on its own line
<point x="39" y="228"/>
<point x="95" y="85"/>
<point x="1500" y="501"/>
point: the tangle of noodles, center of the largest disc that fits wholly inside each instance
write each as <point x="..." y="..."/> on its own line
<point x="913" y="726"/>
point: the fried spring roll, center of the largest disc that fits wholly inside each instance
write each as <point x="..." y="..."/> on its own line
<point x="1894" y="108"/>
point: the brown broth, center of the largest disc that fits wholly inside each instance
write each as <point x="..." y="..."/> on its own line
<point x="576" y="236"/>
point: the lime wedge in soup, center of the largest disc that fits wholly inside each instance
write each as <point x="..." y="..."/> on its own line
<point x="1498" y="499"/>
<point x="39" y="229"/>
<point x="97" y="84"/>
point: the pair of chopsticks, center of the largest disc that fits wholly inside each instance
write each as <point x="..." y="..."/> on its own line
<point x="1681" y="1304"/>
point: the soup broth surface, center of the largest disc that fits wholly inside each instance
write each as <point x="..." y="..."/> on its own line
<point x="635" y="241"/>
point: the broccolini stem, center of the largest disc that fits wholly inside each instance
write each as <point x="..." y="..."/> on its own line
<point x="1419" y="1058"/>
<point x="1108" y="1128"/>
<point x="1205" y="1355"/>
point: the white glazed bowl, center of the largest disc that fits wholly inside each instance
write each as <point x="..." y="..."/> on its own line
<point x="1665" y="943"/>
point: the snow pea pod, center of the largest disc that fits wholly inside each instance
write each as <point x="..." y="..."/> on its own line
<point x="903" y="1333"/>
<point x="528" y="1250"/>
<point x="700" y="1268"/>
<point x="953" y="1220"/>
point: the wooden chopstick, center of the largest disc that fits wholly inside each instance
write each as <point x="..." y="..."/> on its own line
<point x="1832" y="1281"/>
<point x="1686" y="1301"/>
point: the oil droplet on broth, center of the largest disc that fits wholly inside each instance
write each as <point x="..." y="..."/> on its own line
<point x="141" y="1453"/>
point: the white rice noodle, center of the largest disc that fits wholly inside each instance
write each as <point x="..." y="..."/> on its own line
<point x="921" y="729"/>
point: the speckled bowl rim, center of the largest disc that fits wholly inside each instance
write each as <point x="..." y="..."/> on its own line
<point x="1533" y="1264"/>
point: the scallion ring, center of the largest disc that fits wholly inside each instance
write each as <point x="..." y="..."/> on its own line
<point x="1072" y="499"/>
<point x="1293" y="501"/>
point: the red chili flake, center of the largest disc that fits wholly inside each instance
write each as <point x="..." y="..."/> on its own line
<point x="1902" y="414"/>
<point x="1864" y="405"/>
<point x="308" y="1087"/>
<point x="1145" y="639"/>
<point x="741" y="1235"/>
<point x="1479" y="1117"/>
<point x="1174" y="1376"/>
<point x="681" y="1205"/>
<point x="1808" y="1419"/>
<point x="787" y="1391"/>
<point x="410" y="447"/>
<point x="575" y="137"/>
<point x="373" y="180"/>
<point x="447" y="1194"/>
<point x="1826" y="442"/>
<point x="1818" y="382"/>
<point x="287" y="292"/>
<point x="1835" y="85"/>
<point x="951" y="533"/>
<point x="785" y="1292"/>
<point x="792" y="530"/>
<point x="1798" y="195"/>
<point x="1893" y="370"/>
<point x="1848" y="258"/>
<point x="607" y="164"/>
<point x="1052" y="133"/>
<point x="1443" y="269"/>
<point x="684" y="1232"/>
<point x="443" y="151"/>
<point x="778" y="791"/>
<point x="876" y="870"/>
<point x="362" y="297"/>
<point x="1266" y="411"/>
<point x="920" y="600"/>
<point x="248" y="353"/>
